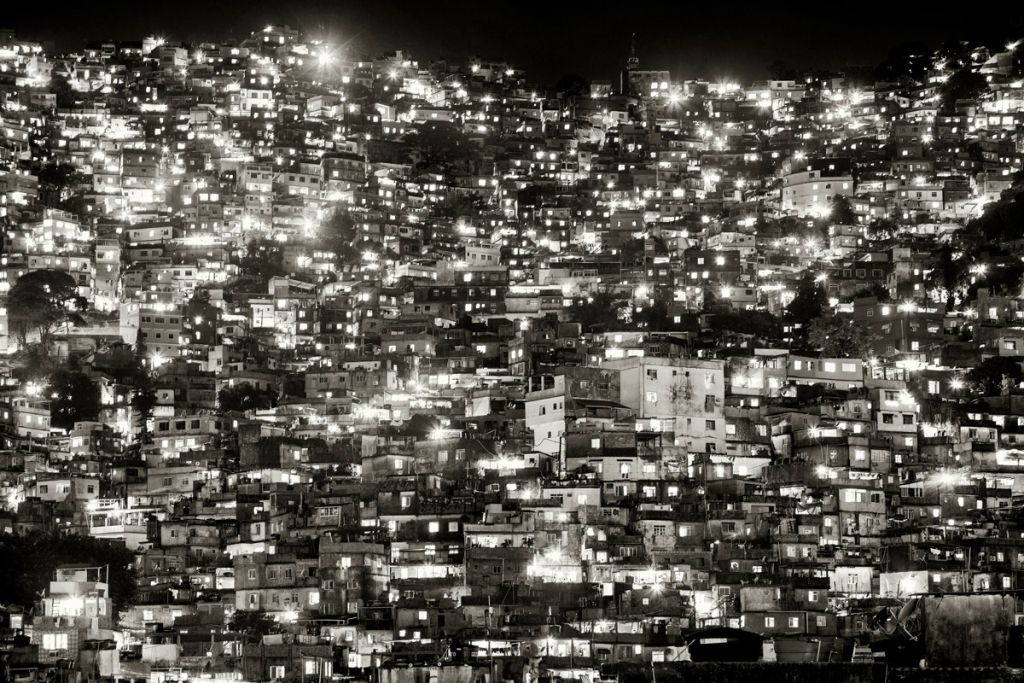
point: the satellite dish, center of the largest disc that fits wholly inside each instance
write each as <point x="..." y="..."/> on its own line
<point x="907" y="611"/>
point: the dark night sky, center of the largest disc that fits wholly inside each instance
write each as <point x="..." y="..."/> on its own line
<point x="715" y="39"/>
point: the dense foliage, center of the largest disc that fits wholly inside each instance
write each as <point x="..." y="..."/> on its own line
<point x="28" y="563"/>
<point x="74" y="397"/>
<point x="245" y="396"/>
<point x="40" y="300"/>
<point x="839" y="336"/>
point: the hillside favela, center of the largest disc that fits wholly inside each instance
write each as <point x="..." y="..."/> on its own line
<point x="319" y="364"/>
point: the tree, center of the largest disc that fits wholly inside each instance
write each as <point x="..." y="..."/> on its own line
<point x="56" y="181"/>
<point x="338" y="234"/>
<point x="633" y="252"/>
<point x="905" y="61"/>
<point x="1003" y="278"/>
<point x="875" y="289"/>
<point x="810" y="394"/>
<point x="441" y="144"/>
<point x="599" y="310"/>
<point x="760" y="324"/>
<point x="357" y="91"/>
<point x="40" y="300"/>
<point x="955" y="53"/>
<point x="1002" y="221"/>
<point x="35" y="364"/>
<point x="263" y="259"/>
<point x="653" y="317"/>
<point x="993" y="375"/>
<point x="66" y="96"/>
<point x="252" y="624"/>
<point x="421" y="425"/>
<point x="842" y="211"/>
<point x="74" y="397"/>
<point x="245" y="396"/>
<point x="572" y="85"/>
<point x="809" y="301"/>
<point x="144" y="397"/>
<point x="839" y="336"/>
<point x="782" y="70"/>
<point x="882" y="229"/>
<point x="949" y="275"/>
<point x="244" y="284"/>
<point x="965" y="84"/>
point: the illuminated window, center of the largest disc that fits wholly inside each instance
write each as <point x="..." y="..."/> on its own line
<point x="55" y="641"/>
